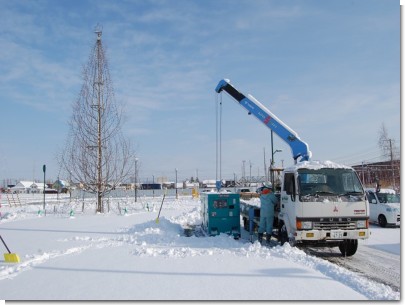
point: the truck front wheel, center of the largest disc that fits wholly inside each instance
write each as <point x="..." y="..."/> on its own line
<point x="348" y="247"/>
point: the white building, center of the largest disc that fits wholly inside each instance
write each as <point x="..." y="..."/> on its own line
<point x="28" y="187"/>
<point x="209" y="183"/>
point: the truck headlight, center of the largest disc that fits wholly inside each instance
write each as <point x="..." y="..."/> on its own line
<point x="361" y="224"/>
<point x="304" y="225"/>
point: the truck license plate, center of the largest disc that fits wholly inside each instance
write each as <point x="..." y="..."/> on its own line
<point x="336" y="234"/>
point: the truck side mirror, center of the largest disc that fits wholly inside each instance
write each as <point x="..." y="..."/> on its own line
<point x="293" y="193"/>
<point x="293" y="197"/>
<point x="373" y="201"/>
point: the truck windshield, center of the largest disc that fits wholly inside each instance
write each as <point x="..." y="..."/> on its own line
<point x="329" y="182"/>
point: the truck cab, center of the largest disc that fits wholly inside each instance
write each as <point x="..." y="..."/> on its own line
<point x="323" y="204"/>
<point x="384" y="207"/>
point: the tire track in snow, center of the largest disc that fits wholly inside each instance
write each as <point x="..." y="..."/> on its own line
<point x="11" y="271"/>
<point x="8" y="272"/>
<point x="374" y="264"/>
<point x="350" y="278"/>
<point x="372" y="290"/>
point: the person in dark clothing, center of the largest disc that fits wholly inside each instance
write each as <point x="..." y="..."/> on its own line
<point x="268" y="202"/>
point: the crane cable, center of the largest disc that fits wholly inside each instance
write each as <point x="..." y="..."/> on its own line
<point x="218" y="136"/>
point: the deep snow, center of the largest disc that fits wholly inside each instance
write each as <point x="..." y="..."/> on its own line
<point x="128" y="256"/>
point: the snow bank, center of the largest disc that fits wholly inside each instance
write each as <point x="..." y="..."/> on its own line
<point x="112" y="257"/>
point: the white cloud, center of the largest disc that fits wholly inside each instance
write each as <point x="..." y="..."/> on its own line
<point x="305" y="62"/>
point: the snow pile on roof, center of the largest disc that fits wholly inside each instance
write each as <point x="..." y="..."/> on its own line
<point x="315" y="165"/>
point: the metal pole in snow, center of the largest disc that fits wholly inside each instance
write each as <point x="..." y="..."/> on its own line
<point x="177" y="196"/>
<point x="44" y="170"/>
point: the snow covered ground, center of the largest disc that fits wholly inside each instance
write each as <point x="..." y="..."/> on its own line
<point x="124" y="254"/>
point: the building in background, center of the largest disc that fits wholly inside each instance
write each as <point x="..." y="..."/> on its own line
<point x="386" y="173"/>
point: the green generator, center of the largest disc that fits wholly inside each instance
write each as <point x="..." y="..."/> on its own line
<point x="221" y="213"/>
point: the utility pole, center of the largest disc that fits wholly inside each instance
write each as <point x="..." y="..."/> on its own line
<point x="250" y="171"/>
<point x="243" y="172"/>
<point x="392" y="164"/>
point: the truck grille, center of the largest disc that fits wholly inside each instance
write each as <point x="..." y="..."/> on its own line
<point x="343" y="225"/>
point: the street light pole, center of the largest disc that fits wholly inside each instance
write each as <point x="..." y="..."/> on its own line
<point x="272" y="164"/>
<point x="272" y="160"/>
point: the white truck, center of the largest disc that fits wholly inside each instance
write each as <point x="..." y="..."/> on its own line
<point x="321" y="203"/>
<point x="385" y="207"/>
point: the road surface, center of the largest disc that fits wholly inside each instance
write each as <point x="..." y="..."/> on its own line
<point x="379" y="266"/>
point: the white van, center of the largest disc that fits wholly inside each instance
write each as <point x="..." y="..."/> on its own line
<point x="384" y="207"/>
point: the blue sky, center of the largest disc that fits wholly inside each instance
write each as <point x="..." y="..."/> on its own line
<point x="328" y="69"/>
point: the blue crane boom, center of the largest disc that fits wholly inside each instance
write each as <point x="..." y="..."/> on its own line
<point x="299" y="148"/>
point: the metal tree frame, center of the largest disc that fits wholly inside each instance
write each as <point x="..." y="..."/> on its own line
<point x="97" y="155"/>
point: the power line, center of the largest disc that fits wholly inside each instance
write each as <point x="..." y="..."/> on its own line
<point x="356" y="153"/>
<point x="360" y="159"/>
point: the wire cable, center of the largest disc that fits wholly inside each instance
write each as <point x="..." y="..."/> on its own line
<point x="220" y="138"/>
<point x="216" y="137"/>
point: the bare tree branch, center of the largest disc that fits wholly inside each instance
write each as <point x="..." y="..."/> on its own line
<point x="387" y="146"/>
<point x="97" y="155"/>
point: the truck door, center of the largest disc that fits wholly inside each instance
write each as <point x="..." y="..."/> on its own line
<point x="373" y="203"/>
<point x="288" y="203"/>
